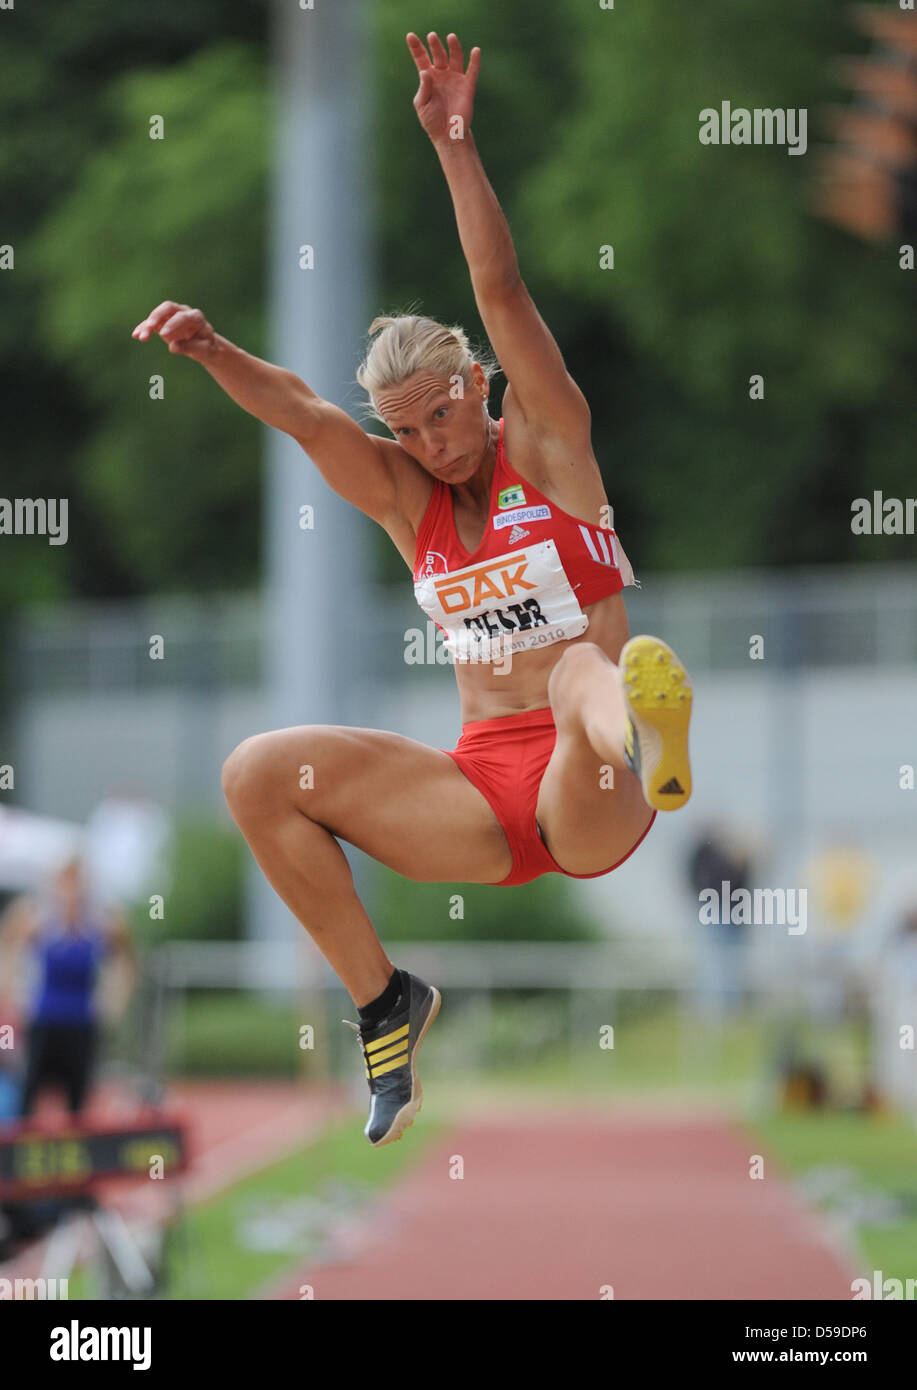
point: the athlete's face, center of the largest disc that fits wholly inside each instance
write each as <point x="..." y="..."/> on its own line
<point x="447" y="437"/>
<point x="69" y="886"/>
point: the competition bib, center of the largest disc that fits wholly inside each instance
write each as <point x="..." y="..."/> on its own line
<point x="520" y="601"/>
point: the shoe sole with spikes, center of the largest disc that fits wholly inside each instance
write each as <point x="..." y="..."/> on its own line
<point x="658" y="697"/>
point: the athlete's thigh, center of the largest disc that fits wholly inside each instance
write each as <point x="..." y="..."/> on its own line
<point x="404" y="804"/>
<point x="590" y="814"/>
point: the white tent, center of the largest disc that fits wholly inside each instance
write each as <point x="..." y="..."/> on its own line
<point x="32" y="847"/>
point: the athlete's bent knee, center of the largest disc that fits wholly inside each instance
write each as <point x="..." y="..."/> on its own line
<point x="243" y="773"/>
<point x="577" y="657"/>
<point x="565" y="683"/>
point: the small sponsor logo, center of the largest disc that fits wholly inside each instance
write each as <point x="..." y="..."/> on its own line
<point x="434" y="563"/>
<point x="511" y="497"/>
<point x="519" y="514"/>
<point x="518" y="533"/>
<point x="602" y="539"/>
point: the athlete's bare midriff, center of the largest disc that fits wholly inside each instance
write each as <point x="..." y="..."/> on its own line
<point x="485" y="693"/>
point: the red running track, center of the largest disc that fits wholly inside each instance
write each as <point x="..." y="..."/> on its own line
<point x="656" y="1208"/>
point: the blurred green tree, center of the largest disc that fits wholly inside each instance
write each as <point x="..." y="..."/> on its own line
<point x="545" y="910"/>
<point x="204" y="900"/>
<point x="173" y="481"/>
<point x="58" y="118"/>
<point x="587" y="120"/>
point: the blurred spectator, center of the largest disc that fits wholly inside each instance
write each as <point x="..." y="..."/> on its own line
<point x="893" y="1004"/>
<point x="65" y="941"/>
<point x="907" y="931"/>
<point x="841" y="877"/>
<point x="722" y="958"/>
<point x="9" y="1088"/>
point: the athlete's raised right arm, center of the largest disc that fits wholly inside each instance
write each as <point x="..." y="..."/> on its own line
<point x="355" y="464"/>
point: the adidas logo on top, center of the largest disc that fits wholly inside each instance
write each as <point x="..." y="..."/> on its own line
<point x="518" y="533"/>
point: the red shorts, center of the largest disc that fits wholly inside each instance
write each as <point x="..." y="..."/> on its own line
<point x="505" y="759"/>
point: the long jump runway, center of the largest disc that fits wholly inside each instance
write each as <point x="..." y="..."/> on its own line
<point x="586" y="1205"/>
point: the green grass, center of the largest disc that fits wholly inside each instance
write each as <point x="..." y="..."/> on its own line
<point x="662" y="1051"/>
<point x="881" y="1149"/>
<point x="211" y="1259"/>
<point x="231" y="1034"/>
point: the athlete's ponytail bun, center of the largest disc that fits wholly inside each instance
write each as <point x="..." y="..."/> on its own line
<point x="382" y="321"/>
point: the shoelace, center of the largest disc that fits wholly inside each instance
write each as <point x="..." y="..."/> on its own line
<point x="359" y="1032"/>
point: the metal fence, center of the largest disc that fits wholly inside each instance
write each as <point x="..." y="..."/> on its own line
<point x="854" y="616"/>
<point x="520" y="1003"/>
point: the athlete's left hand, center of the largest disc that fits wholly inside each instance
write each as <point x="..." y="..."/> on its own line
<point x="446" y="90"/>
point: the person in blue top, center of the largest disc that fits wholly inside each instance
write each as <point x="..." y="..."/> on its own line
<point x="68" y="943"/>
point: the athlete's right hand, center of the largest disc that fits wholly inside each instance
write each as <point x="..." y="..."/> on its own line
<point x="184" y="329"/>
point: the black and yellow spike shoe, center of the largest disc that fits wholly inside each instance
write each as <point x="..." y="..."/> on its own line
<point x="658" y="697"/>
<point x="390" y="1056"/>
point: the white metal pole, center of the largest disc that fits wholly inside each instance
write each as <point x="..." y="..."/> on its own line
<point x="316" y="561"/>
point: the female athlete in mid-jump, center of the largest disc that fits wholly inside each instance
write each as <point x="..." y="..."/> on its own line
<point x="572" y="736"/>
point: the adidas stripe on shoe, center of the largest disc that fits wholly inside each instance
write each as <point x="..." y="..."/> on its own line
<point x="390" y="1059"/>
<point x="658" y="698"/>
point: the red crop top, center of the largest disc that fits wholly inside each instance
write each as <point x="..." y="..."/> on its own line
<point x="526" y="584"/>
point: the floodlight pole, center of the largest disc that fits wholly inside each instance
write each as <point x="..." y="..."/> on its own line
<point x="316" y="568"/>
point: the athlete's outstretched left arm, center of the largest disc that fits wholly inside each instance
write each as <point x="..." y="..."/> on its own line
<point x="531" y="360"/>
